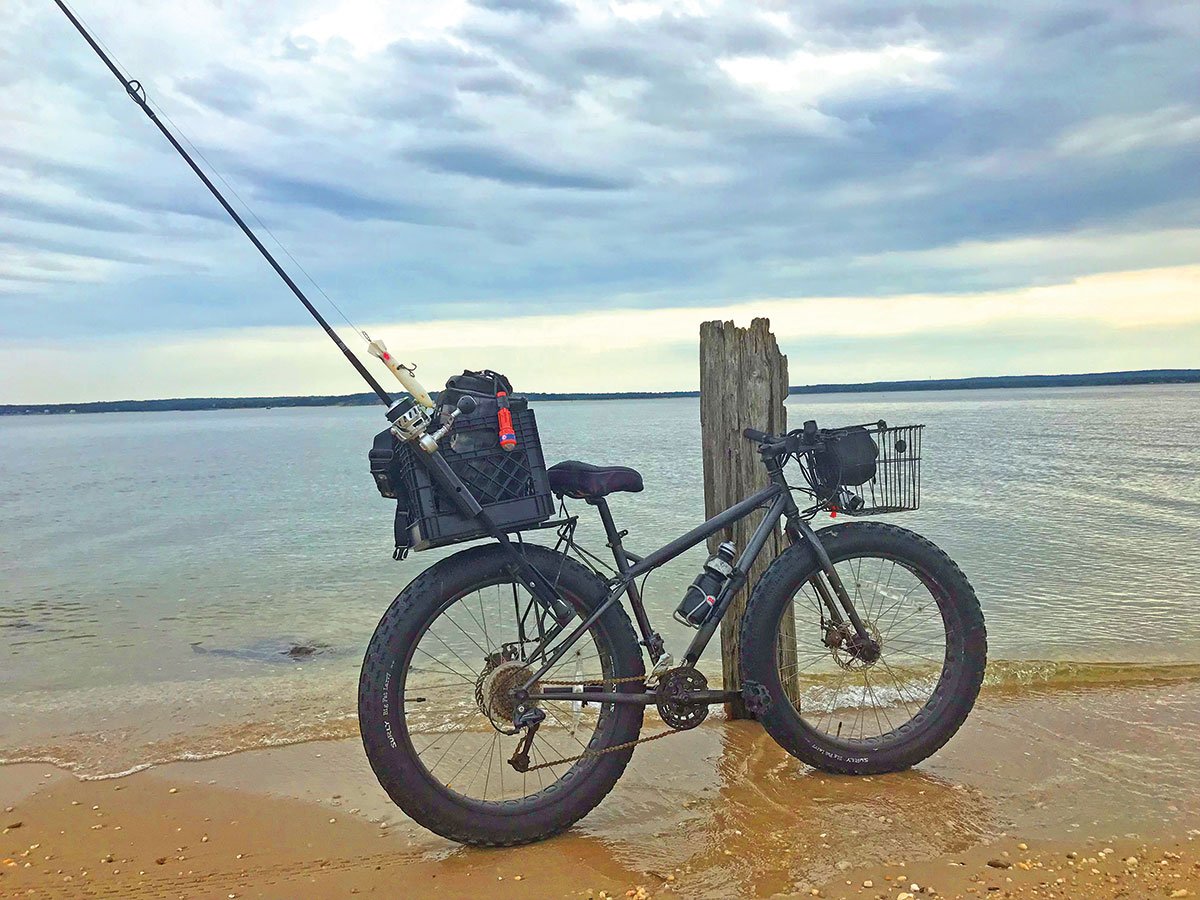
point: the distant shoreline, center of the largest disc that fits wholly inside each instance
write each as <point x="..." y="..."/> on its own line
<point x="999" y="382"/>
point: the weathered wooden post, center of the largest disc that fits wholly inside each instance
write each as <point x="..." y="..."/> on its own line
<point x="743" y="384"/>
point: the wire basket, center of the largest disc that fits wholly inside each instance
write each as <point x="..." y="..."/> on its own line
<point x="889" y="483"/>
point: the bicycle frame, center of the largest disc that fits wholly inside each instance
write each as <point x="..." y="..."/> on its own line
<point x="630" y="567"/>
<point x="776" y="497"/>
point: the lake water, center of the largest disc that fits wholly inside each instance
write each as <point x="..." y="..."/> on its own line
<point x="156" y="567"/>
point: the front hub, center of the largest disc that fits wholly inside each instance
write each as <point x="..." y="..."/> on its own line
<point x="852" y="652"/>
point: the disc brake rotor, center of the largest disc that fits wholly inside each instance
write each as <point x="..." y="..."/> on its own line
<point x="841" y="641"/>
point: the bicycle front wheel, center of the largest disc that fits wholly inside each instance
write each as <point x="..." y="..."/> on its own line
<point x="846" y="711"/>
<point x="435" y="705"/>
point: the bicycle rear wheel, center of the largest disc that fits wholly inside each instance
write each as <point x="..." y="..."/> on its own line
<point x="435" y="709"/>
<point x="843" y="711"/>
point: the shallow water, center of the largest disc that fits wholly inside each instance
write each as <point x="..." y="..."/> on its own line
<point x="157" y="567"/>
<point x="734" y="816"/>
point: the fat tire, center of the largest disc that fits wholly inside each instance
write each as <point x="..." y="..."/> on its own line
<point x="383" y="727"/>
<point x="962" y="673"/>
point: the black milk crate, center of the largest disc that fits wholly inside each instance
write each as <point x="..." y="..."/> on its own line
<point x="512" y="486"/>
<point x="896" y="486"/>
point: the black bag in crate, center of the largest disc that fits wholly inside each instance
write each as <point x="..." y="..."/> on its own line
<point x="480" y="385"/>
<point x="512" y="486"/>
<point x="386" y="469"/>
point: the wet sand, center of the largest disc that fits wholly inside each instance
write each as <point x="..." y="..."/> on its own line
<point x="716" y="812"/>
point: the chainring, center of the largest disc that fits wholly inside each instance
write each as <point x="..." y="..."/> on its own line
<point x="673" y="687"/>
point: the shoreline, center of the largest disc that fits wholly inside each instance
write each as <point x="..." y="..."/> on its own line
<point x="724" y="812"/>
<point x="1130" y="378"/>
<point x="125" y="744"/>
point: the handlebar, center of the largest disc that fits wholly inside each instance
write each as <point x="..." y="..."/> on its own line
<point x="772" y="444"/>
<point x="810" y="437"/>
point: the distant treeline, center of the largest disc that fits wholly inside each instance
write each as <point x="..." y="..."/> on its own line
<point x="1144" y="376"/>
<point x="1093" y="379"/>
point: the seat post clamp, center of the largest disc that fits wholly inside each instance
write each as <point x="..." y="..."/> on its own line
<point x="621" y="535"/>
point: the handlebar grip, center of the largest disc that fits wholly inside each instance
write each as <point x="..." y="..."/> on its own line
<point x="755" y="435"/>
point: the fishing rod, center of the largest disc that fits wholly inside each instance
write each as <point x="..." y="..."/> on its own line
<point x="403" y="373"/>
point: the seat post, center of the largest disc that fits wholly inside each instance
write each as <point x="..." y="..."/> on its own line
<point x="651" y="639"/>
<point x="610" y="529"/>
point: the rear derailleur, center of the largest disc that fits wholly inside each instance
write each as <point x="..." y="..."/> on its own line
<point x="528" y="718"/>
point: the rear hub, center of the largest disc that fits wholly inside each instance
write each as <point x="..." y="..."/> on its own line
<point x="495" y="693"/>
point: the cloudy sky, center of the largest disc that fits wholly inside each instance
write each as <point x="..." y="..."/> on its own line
<point x="564" y="191"/>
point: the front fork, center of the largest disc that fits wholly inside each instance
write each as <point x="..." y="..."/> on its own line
<point x="829" y="586"/>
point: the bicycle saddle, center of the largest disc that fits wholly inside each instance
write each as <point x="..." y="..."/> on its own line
<point x="584" y="481"/>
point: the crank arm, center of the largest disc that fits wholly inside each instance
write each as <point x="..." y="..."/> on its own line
<point x="708" y="698"/>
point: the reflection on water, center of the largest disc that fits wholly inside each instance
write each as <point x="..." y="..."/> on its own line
<point x="1073" y="511"/>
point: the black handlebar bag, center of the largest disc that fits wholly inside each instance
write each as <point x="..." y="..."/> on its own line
<point x="849" y="459"/>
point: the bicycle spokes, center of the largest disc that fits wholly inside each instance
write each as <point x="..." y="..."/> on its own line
<point x="459" y="705"/>
<point x="859" y="690"/>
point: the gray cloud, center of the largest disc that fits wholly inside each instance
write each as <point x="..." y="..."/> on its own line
<point x="546" y="10"/>
<point x="592" y="160"/>
<point x="224" y="89"/>
<point x="68" y="214"/>
<point x="495" y="164"/>
<point x="339" y="201"/>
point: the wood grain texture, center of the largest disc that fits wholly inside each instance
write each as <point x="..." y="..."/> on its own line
<point x="743" y="384"/>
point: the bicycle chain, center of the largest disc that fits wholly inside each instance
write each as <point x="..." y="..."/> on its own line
<point x="587" y="754"/>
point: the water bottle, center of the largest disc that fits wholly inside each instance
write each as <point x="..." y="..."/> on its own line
<point x="697" y="604"/>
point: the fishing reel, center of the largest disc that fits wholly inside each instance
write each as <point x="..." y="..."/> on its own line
<point x="410" y="421"/>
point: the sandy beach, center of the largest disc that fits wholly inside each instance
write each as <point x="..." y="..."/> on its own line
<point x="1085" y="792"/>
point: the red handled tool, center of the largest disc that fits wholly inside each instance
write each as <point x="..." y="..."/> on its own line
<point x="508" y="437"/>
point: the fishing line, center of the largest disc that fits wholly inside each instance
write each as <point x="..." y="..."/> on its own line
<point x="250" y="210"/>
<point x="137" y="92"/>
<point x="246" y="207"/>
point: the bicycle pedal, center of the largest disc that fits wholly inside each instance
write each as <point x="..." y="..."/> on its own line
<point x="756" y="697"/>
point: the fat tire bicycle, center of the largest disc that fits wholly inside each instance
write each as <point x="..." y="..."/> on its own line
<point x="504" y="690"/>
